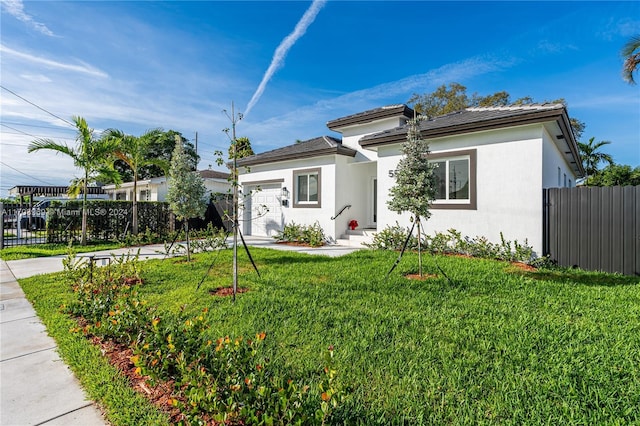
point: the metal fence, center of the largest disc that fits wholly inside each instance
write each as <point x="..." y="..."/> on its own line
<point x="62" y="222"/>
<point x="106" y="221"/>
<point x="594" y="228"/>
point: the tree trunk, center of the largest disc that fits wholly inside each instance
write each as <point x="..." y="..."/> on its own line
<point x="134" y="212"/>
<point x="186" y="230"/>
<point x="419" y="247"/>
<point x="83" y="240"/>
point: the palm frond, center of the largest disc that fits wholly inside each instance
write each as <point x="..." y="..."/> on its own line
<point x="631" y="54"/>
<point x="39" y="144"/>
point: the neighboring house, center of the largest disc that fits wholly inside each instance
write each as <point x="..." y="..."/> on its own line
<point x="155" y="189"/>
<point x="493" y="164"/>
<point x="52" y="192"/>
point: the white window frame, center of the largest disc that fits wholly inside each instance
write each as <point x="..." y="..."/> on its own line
<point x="308" y="172"/>
<point x="447" y="157"/>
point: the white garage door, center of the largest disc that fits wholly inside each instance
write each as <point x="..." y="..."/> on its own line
<point x="266" y="211"/>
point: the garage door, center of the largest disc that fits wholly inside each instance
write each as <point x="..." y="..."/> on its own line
<point x="266" y="212"/>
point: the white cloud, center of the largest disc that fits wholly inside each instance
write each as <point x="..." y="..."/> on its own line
<point x="625" y="27"/>
<point x="36" y="78"/>
<point x="82" y="68"/>
<point x="16" y="9"/>
<point x="546" y="46"/>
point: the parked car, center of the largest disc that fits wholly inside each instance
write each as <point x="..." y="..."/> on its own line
<point x="36" y="217"/>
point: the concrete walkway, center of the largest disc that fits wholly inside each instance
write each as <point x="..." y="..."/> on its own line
<point x="36" y="387"/>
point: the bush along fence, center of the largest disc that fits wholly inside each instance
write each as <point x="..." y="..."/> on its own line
<point x="107" y="220"/>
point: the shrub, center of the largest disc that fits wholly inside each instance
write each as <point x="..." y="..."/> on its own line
<point x="211" y="238"/>
<point x="452" y="242"/>
<point x="225" y="380"/>
<point x="308" y="234"/>
<point x="393" y="238"/>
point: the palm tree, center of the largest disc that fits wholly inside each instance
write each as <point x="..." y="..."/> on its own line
<point x="591" y="157"/>
<point x="135" y="151"/>
<point x="90" y="155"/>
<point x="631" y="54"/>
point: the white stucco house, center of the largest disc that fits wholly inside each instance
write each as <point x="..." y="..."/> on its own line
<point x="493" y="164"/>
<point x="155" y="189"/>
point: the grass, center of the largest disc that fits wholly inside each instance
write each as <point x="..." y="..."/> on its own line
<point x="44" y="250"/>
<point x="492" y="346"/>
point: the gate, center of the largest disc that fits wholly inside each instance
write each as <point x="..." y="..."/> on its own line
<point x="22" y="225"/>
<point x="594" y="228"/>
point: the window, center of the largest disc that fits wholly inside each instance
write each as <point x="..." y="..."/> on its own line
<point x="306" y="188"/>
<point x="455" y="177"/>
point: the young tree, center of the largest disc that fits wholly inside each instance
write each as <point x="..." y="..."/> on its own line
<point x="186" y="190"/>
<point x="592" y="157"/>
<point x="135" y="153"/>
<point x="414" y="189"/>
<point x="90" y="154"/>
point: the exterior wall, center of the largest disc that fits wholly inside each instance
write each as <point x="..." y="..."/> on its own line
<point x="509" y="186"/>
<point x="158" y="189"/>
<point x="216" y="186"/>
<point x="352" y="135"/>
<point x="556" y="173"/>
<point x="284" y="171"/>
<point x="354" y="187"/>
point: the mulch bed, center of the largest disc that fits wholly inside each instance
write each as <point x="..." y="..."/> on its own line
<point x="417" y="277"/>
<point x="227" y="291"/>
<point x="160" y="394"/>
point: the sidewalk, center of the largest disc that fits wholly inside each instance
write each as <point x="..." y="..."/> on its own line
<point x="36" y="387"/>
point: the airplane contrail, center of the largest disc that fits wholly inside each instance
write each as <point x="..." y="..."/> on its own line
<point x="282" y="50"/>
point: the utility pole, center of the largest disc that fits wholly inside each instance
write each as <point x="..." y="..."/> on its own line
<point x="196" y="144"/>
<point x="234" y="119"/>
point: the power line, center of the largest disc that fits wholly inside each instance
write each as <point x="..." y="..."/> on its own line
<point x="37" y="106"/>
<point x="23" y="173"/>
<point x="12" y="128"/>
<point x="20" y="132"/>
<point x="39" y="125"/>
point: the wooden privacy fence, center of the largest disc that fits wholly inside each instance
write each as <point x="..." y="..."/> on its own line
<point x="594" y="228"/>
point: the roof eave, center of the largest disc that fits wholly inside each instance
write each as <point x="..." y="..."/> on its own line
<point x="339" y="150"/>
<point x="401" y="135"/>
<point x="352" y="120"/>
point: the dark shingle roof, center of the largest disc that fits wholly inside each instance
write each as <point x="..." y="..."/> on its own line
<point x="213" y="174"/>
<point x="371" y="115"/>
<point x="323" y="145"/>
<point x="470" y="120"/>
<point x="483" y="118"/>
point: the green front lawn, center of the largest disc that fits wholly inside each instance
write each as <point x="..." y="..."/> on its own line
<point x="494" y="345"/>
<point x="43" y="250"/>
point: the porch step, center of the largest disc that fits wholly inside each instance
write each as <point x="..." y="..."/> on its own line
<point x="357" y="237"/>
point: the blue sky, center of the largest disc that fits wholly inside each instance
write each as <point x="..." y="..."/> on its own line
<point x="176" y="65"/>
